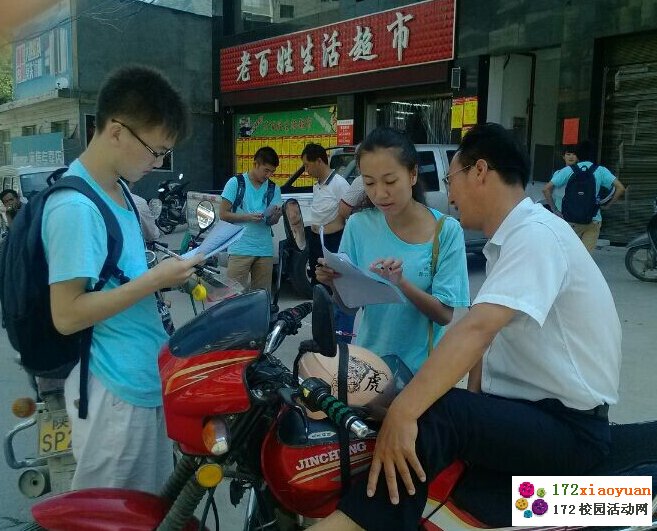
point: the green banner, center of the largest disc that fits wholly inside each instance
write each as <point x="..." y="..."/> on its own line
<point x="321" y="121"/>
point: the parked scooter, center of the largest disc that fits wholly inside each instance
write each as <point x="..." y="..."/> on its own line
<point x="51" y="470"/>
<point x="641" y="255"/>
<point x="172" y="198"/>
<point x="235" y="412"/>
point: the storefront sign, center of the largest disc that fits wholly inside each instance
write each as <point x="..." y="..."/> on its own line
<point x="405" y="36"/>
<point x="38" y="150"/>
<point x="345" y="132"/>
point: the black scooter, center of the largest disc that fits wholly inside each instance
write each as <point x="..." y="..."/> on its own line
<point x="173" y="200"/>
<point x="641" y="256"/>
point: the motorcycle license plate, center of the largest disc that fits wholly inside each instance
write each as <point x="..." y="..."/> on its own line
<point x="54" y="433"/>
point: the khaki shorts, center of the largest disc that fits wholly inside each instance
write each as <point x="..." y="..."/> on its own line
<point x="588" y="233"/>
<point x="259" y="268"/>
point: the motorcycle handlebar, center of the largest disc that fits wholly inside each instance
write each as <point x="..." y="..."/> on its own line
<point x="292" y="317"/>
<point x="316" y="394"/>
<point x="287" y="323"/>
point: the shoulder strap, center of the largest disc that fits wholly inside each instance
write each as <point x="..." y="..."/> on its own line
<point x="435" y="251"/>
<point x="343" y="434"/>
<point x="239" y="196"/>
<point x="131" y="202"/>
<point x="114" y="236"/>
<point x="271" y="188"/>
<point x="576" y="169"/>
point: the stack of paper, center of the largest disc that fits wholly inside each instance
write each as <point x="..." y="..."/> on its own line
<point x="358" y="287"/>
<point x="222" y="235"/>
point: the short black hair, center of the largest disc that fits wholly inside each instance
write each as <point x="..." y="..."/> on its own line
<point x="144" y="98"/>
<point x="6" y="192"/>
<point x="266" y="155"/>
<point x="568" y="149"/>
<point x="313" y="152"/>
<point x="497" y="146"/>
<point x="585" y="151"/>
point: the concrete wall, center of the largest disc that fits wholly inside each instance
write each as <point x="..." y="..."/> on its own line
<point x="497" y="27"/>
<point x="177" y="43"/>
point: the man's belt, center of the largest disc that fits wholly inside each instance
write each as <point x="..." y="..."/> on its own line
<point x="600" y="411"/>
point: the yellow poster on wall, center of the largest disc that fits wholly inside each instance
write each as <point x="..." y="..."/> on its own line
<point x="457" y="113"/>
<point x="470" y="107"/>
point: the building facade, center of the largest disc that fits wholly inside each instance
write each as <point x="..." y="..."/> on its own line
<point x="552" y="71"/>
<point x="60" y="59"/>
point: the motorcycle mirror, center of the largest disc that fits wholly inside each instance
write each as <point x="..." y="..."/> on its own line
<point x="155" y="206"/>
<point x="323" y="322"/>
<point x="293" y="223"/>
<point x="205" y="215"/>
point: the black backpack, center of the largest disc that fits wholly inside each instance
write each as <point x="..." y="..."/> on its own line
<point x="580" y="201"/>
<point x="241" y="188"/>
<point x="25" y="293"/>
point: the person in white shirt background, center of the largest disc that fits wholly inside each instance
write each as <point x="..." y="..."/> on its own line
<point x="327" y="193"/>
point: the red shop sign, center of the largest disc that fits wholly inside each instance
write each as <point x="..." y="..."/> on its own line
<point x="404" y="36"/>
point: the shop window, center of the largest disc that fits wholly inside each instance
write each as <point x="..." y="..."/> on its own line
<point x="5" y="147"/>
<point x="29" y="130"/>
<point x="426" y="121"/>
<point x="60" y="127"/>
<point x="286" y="11"/>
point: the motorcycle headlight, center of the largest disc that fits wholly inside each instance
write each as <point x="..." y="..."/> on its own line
<point x="215" y="436"/>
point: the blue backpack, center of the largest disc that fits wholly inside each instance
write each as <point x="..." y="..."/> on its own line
<point x="580" y="201"/>
<point x="25" y="293"/>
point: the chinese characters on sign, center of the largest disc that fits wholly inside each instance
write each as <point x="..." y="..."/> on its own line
<point x="410" y="35"/>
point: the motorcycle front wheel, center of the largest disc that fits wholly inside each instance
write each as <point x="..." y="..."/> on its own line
<point x="641" y="262"/>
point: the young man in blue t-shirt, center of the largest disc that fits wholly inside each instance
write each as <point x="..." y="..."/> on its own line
<point x="122" y="442"/>
<point x="252" y="255"/>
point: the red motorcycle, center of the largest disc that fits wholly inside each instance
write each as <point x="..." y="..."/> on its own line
<point x="236" y="412"/>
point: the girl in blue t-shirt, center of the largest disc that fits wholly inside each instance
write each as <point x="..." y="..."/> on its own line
<point x="394" y="238"/>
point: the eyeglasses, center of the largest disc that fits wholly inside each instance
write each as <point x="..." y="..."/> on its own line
<point x="156" y="154"/>
<point x="447" y="177"/>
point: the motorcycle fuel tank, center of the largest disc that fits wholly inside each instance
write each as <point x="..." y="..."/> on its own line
<point x="303" y="470"/>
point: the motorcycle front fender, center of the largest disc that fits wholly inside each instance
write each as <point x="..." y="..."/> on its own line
<point x="639" y="241"/>
<point x="104" y="510"/>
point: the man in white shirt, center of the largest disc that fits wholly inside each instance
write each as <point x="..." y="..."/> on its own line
<point x="324" y="212"/>
<point x="542" y="343"/>
<point x="327" y="192"/>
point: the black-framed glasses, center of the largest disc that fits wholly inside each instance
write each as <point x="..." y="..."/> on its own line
<point x="156" y="154"/>
<point x="447" y="177"/>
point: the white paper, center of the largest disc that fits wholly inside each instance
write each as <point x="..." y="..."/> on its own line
<point x="355" y="286"/>
<point x="220" y="237"/>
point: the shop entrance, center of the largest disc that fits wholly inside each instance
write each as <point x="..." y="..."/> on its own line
<point x="628" y="137"/>
<point x="523" y="90"/>
<point x="425" y="120"/>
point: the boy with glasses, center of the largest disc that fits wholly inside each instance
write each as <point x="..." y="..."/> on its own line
<point x="122" y="440"/>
